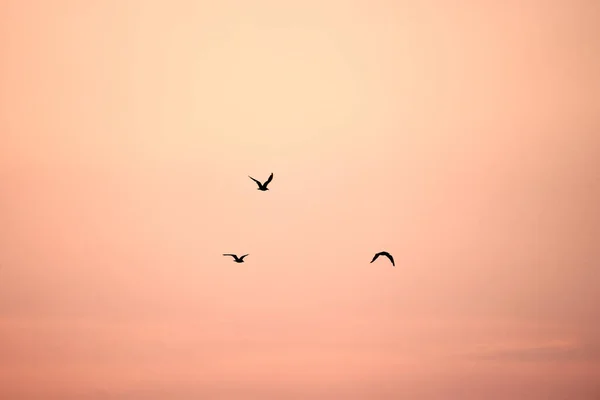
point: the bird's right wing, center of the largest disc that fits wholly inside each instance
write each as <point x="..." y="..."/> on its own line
<point x="269" y="180"/>
<point x="391" y="259"/>
<point x="232" y="255"/>
<point x="242" y="257"/>
<point x="375" y="257"/>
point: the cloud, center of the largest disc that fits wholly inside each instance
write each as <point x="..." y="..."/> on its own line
<point x="553" y="351"/>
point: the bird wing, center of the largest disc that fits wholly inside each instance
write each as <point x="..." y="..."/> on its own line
<point x="257" y="182"/>
<point x="388" y="255"/>
<point x="242" y="257"/>
<point x="384" y="253"/>
<point x="269" y="180"/>
<point x="232" y="255"/>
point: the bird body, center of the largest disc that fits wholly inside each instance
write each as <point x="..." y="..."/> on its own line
<point x="262" y="186"/>
<point x="236" y="258"/>
<point x="386" y="254"/>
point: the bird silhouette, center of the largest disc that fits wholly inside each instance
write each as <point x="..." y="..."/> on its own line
<point x="263" y="186"/>
<point x="384" y="253"/>
<point x="236" y="258"/>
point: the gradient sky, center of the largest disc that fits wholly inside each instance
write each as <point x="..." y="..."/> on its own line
<point x="463" y="137"/>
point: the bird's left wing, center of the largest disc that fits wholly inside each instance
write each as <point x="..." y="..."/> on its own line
<point x="257" y="182"/>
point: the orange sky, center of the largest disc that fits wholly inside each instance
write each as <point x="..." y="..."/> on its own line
<point x="461" y="137"/>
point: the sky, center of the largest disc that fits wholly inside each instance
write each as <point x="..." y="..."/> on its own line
<point x="462" y="137"/>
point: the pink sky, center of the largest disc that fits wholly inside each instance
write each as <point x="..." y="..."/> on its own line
<point x="461" y="137"/>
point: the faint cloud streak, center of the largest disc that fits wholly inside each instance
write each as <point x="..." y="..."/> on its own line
<point x="552" y="351"/>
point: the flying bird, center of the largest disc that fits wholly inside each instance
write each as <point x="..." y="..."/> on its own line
<point x="263" y="186"/>
<point x="384" y="253"/>
<point x="236" y="258"/>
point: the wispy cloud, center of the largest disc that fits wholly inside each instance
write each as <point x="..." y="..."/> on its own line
<point x="558" y="350"/>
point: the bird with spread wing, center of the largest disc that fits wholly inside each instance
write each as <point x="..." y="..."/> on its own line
<point x="386" y="254"/>
<point x="262" y="186"/>
<point x="236" y="258"/>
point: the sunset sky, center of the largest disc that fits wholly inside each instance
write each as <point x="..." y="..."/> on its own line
<point x="462" y="137"/>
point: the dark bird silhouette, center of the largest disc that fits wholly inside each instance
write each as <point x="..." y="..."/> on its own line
<point x="384" y="253"/>
<point x="236" y="258"/>
<point x="262" y="186"/>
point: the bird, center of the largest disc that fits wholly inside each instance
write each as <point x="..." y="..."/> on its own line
<point x="384" y="253"/>
<point x="236" y="258"/>
<point x="262" y="186"/>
